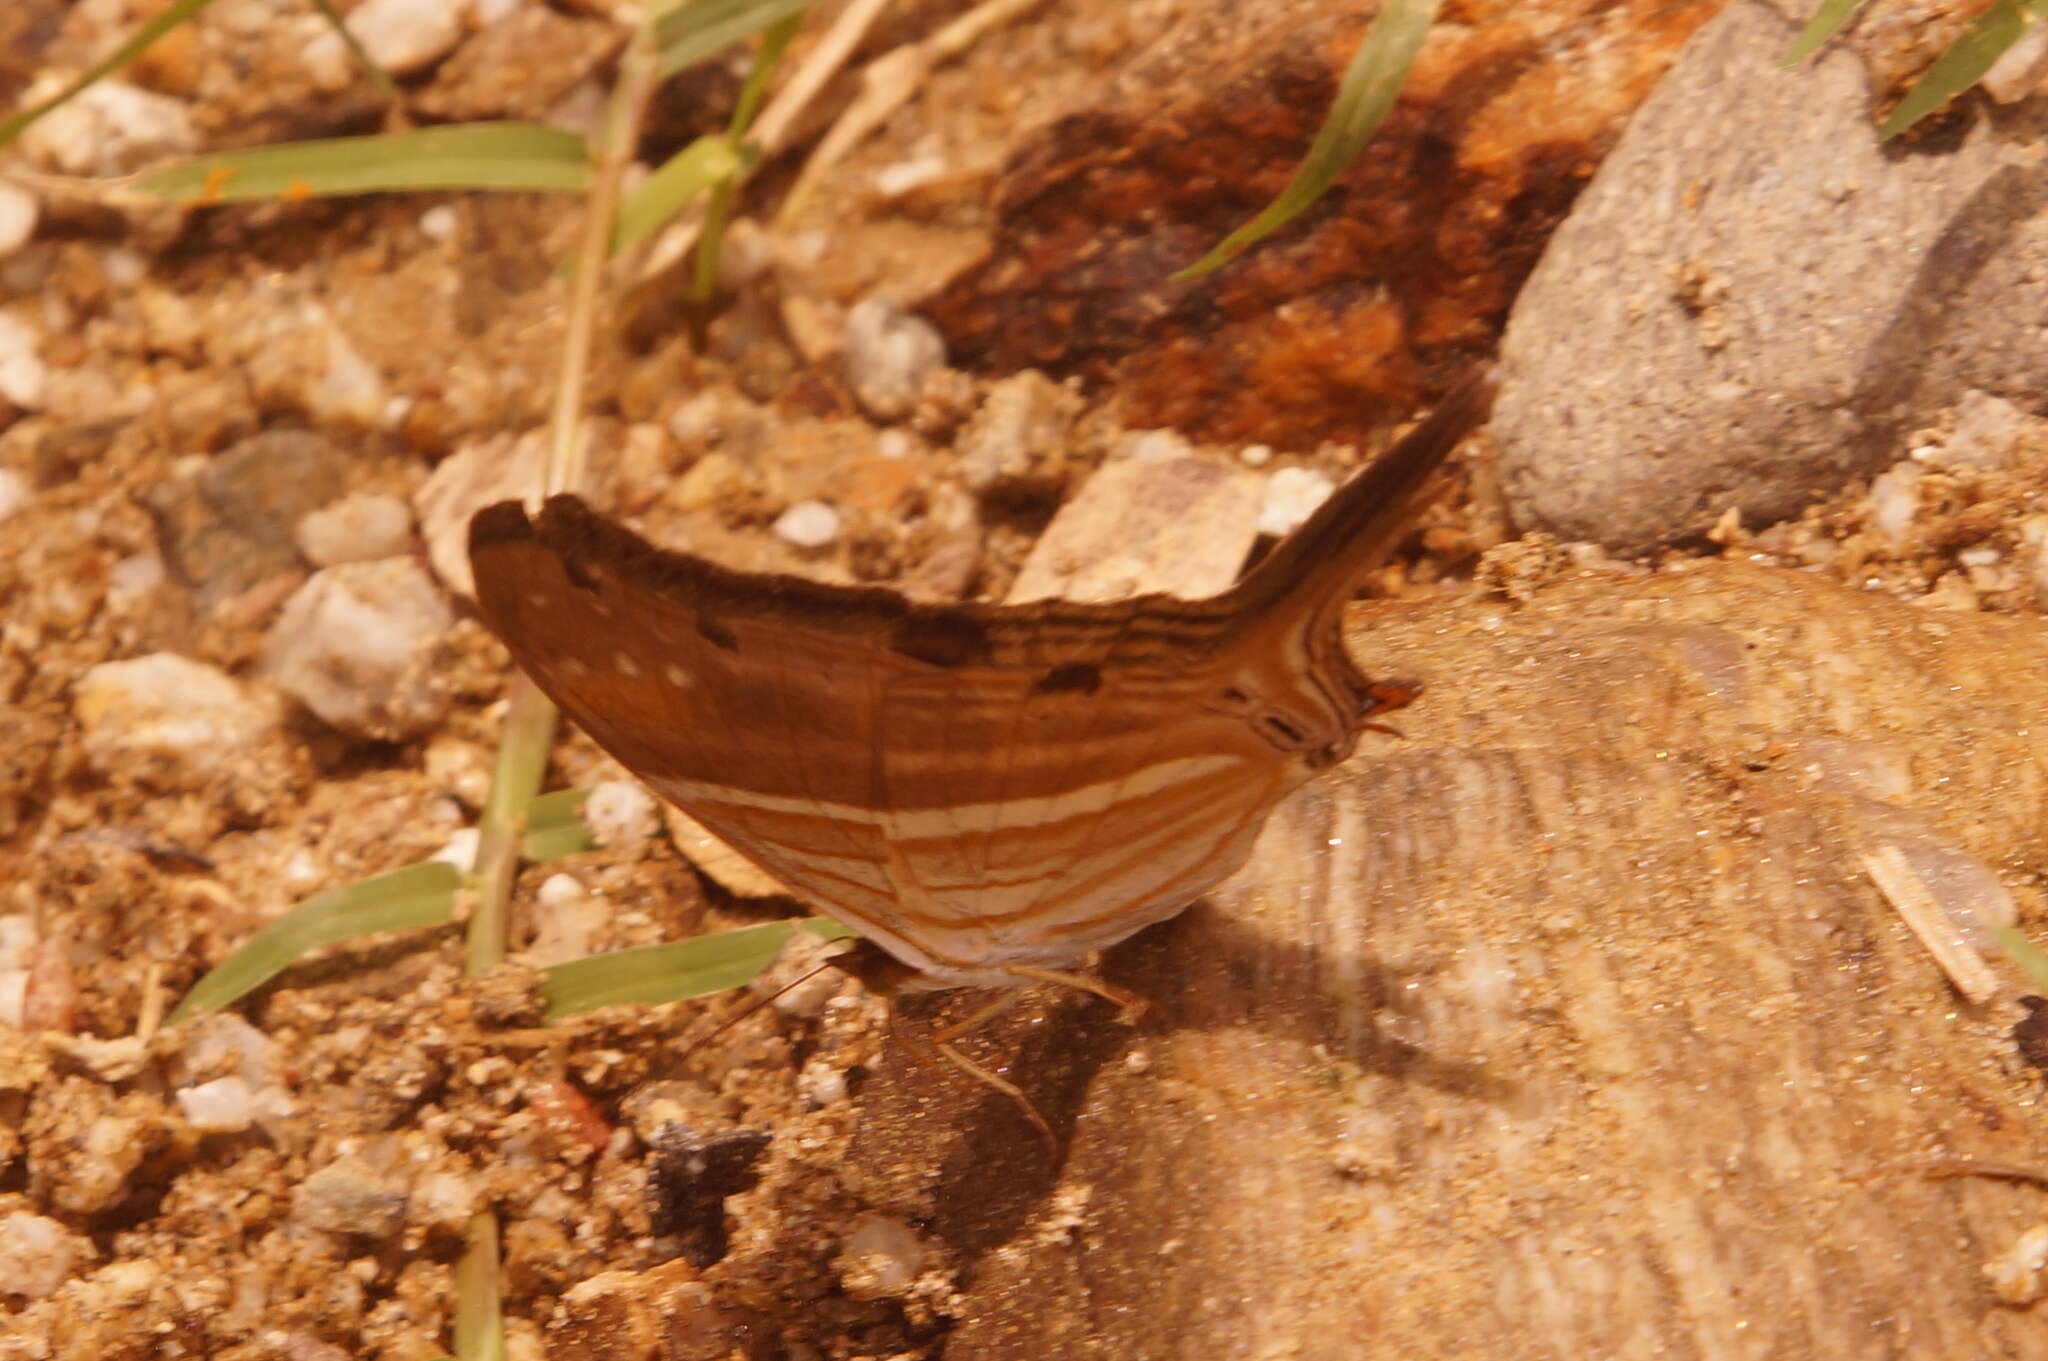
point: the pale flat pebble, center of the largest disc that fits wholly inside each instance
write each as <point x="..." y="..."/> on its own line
<point x="888" y="353"/>
<point x="808" y="524"/>
<point x="1292" y="495"/>
<point x="166" y="720"/>
<point x="360" y="527"/>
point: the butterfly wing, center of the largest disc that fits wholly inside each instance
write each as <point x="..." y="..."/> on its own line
<point x="927" y="772"/>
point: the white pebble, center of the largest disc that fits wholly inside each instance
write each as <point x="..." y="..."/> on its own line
<point x="820" y="1084"/>
<point x="38" y="1255"/>
<point x="808" y="524"/>
<point x="1895" y="500"/>
<point x="403" y="36"/>
<point x="111" y="128"/>
<point x="460" y="850"/>
<point x="222" y="1106"/>
<point x="15" y="492"/>
<point x="18" y="212"/>
<point x="559" y="890"/>
<point x="888" y="353"/>
<point x="621" y="812"/>
<point x="347" y="644"/>
<point x="439" y="223"/>
<point x="360" y="527"/>
<point x="23" y="378"/>
<point x="1292" y="495"/>
<point x="881" y="1258"/>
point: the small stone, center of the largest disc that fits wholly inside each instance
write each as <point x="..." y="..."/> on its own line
<point x="165" y="721"/>
<point x="404" y="36"/>
<point x="888" y="353"/>
<point x="1182" y="527"/>
<point x="881" y="1259"/>
<point x="360" y="527"/>
<point x="23" y="379"/>
<point x="226" y="525"/>
<point x="15" y="492"/>
<point x="566" y="922"/>
<point x="38" y="1255"/>
<point x="460" y="850"/>
<point x="1895" y="500"/>
<point x="1021" y="438"/>
<point x="709" y="480"/>
<point x="110" y="128"/>
<point x="225" y="1105"/>
<point x="820" y="1084"/>
<point x="2019" y="1276"/>
<point x="1986" y="429"/>
<point x="350" y="1196"/>
<point x="350" y="646"/>
<point x="1292" y="495"/>
<point x="18" y="213"/>
<point x="440" y="222"/>
<point x="621" y="812"/>
<point x="808" y="525"/>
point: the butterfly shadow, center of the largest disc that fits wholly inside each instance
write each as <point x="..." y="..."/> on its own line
<point x="964" y="1162"/>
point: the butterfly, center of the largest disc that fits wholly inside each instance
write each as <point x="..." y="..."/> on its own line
<point x="990" y="793"/>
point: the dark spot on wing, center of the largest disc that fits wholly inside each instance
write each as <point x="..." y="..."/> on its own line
<point x="716" y="634"/>
<point x="941" y="638"/>
<point x="1076" y="676"/>
<point x="579" y="576"/>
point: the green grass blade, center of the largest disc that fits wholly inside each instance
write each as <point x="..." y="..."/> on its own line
<point x="1965" y="61"/>
<point x="510" y="155"/>
<point x="710" y="160"/>
<point x="172" y="15"/>
<point x="416" y="896"/>
<point x="670" y="973"/>
<point x="1371" y="84"/>
<point x="555" y="826"/>
<point x="688" y="33"/>
<point x="2024" y="953"/>
<point x="1826" y="22"/>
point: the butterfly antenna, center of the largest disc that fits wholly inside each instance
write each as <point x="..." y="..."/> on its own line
<point x="729" y="1022"/>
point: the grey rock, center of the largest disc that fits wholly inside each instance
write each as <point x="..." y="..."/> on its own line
<point x="1019" y="441"/>
<point x="350" y="1195"/>
<point x="1754" y="302"/>
<point x="230" y="525"/>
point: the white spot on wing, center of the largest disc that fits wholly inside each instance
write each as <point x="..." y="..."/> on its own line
<point x="627" y="666"/>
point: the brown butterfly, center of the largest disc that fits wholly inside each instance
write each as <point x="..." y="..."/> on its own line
<point x="990" y="793"/>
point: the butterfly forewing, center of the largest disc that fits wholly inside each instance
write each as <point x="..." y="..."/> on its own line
<point x="956" y="780"/>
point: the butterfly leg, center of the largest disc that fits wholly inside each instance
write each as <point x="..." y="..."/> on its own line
<point x="1007" y="1088"/>
<point x="1132" y="1006"/>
